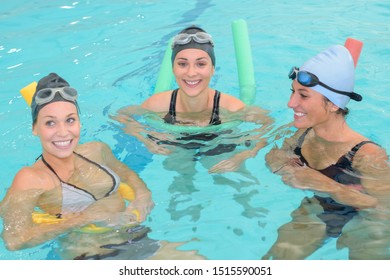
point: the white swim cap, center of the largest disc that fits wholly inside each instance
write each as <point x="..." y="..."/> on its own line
<point x="334" y="67"/>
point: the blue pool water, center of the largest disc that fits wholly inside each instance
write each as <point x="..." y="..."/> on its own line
<point x="111" y="52"/>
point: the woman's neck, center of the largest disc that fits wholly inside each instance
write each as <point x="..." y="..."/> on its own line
<point x="337" y="131"/>
<point x="189" y="104"/>
<point x="64" y="167"/>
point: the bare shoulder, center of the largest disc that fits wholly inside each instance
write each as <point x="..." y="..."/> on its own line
<point x="158" y="102"/>
<point x="372" y="150"/>
<point x="371" y="156"/>
<point x="31" y="177"/>
<point x="231" y="102"/>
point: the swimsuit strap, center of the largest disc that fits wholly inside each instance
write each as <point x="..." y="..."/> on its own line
<point x="90" y="161"/>
<point x="302" y="138"/>
<point x="103" y="168"/>
<point x="170" y="117"/>
<point x="51" y="168"/>
<point x="215" y="119"/>
<point x="61" y="181"/>
<point x="298" y="148"/>
<point x="350" y="155"/>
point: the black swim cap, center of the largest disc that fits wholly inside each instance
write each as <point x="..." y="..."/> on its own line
<point x="50" y="81"/>
<point x="207" y="47"/>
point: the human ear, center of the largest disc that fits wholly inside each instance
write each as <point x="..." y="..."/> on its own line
<point x="34" y="131"/>
<point x="334" y="108"/>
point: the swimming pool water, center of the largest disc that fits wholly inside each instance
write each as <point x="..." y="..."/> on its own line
<point x="111" y="52"/>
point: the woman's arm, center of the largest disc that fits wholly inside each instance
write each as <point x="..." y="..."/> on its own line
<point x="306" y="178"/>
<point x="252" y="114"/>
<point x="279" y="157"/>
<point x="374" y="191"/>
<point x="19" y="229"/>
<point x="138" y="130"/>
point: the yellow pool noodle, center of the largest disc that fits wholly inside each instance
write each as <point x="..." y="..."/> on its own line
<point x="28" y="92"/>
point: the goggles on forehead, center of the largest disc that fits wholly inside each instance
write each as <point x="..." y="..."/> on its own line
<point x="46" y="95"/>
<point x="308" y="79"/>
<point x="199" y="37"/>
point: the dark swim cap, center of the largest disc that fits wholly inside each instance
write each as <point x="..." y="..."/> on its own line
<point x="207" y="47"/>
<point x="50" y="81"/>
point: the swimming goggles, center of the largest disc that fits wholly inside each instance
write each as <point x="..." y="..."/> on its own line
<point x="46" y="95"/>
<point x="308" y="79"/>
<point x="199" y="37"/>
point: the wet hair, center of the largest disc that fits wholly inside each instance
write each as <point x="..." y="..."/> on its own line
<point x="340" y="111"/>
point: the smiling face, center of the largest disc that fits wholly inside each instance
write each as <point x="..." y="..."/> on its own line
<point x="193" y="70"/>
<point x="310" y="108"/>
<point x="58" y="127"/>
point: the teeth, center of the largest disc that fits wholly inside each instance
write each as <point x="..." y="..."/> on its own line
<point x="299" y="114"/>
<point x="62" y="143"/>
<point x="192" y="82"/>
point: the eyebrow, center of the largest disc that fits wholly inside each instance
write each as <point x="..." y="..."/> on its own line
<point x="304" y="89"/>
<point x="53" y="117"/>
<point x="200" y="58"/>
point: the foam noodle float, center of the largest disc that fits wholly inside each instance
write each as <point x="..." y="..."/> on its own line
<point x="355" y="48"/>
<point x="28" y="92"/>
<point x="44" y="218"/>
<point x="159" y="124"/>
<point x="165" y="77"/>
<point x="244" y="61"/>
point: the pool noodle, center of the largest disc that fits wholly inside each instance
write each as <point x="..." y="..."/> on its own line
<point x="28" y="92"/>
<point x="355" y="48"/>
<point x="244" y="61"/>
<point x="165" y="77"/>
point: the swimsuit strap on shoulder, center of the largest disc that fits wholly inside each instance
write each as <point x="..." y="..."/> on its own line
<point x="170" y="117"/>
<point x="350" y="155"/>
<point x="302" y="138"/>
<point x="215" y="119"/>
<point x="51" y="168"/>
<point x="298" y="148"/>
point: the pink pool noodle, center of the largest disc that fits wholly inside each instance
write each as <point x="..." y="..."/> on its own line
<point x="355" y="48"/>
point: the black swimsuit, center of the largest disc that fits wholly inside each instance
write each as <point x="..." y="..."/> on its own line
<point x="170" y="117"/>
<point x="196" y="139"/>
<point x="335" y="214"/>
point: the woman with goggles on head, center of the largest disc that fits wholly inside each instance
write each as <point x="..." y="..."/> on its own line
<point x="74" y="184"/>
<point x="347" y="172"/>
<point x="194" y="103"/>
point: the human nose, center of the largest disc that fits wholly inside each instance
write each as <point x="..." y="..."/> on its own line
<point x="62" y="129"/>
<point x="191" y="71"/>
<point x="293" y="102"/>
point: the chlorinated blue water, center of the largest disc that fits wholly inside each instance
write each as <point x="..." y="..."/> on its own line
<point x="111" y="52"/>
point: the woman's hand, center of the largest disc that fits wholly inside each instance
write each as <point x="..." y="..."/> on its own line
<point x="231" y="164"/>
<point x="141" y="206"/>
<point x="304" y="178"/>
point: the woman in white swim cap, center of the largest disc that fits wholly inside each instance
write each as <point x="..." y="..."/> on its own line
<point x="327" y="157"/>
